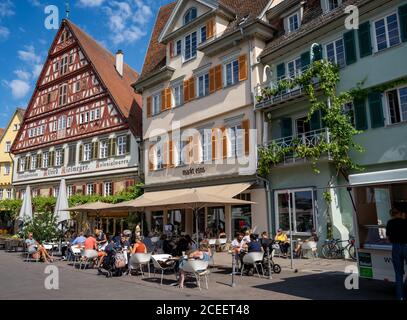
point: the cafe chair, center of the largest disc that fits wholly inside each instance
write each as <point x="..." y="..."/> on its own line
<point x="254" y="259"/>
<point x="138" y="260"/>
<point x="157" y="266"/>
<point x="198" y="269"/>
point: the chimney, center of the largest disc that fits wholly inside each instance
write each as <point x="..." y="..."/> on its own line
<point x="119" y="62"/>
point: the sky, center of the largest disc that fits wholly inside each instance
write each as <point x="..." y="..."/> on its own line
<point x="25" y="41"/>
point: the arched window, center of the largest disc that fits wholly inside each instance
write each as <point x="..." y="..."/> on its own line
<point x="190" y="15"/>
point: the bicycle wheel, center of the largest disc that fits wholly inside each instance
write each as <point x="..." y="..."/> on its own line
<point x="330" y="250"/>
<point x="352" y="252"/>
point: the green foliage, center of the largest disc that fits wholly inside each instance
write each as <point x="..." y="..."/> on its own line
<point x="44" y="204"/>
<point x="325" y="76"/>
<point x="43" y="226"/>
<point x="12" y="206"/>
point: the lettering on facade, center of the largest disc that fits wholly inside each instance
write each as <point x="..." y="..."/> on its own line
<point x="193" y="171"/>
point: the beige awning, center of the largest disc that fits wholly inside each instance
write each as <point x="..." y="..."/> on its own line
<point x="189" y="197"/>
<point x="92" y="207"/>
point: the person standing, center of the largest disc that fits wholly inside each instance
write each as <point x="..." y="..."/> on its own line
<point x="396" y="231"/>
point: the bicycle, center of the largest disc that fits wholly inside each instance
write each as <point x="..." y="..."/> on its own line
<point x="333" y="250"/>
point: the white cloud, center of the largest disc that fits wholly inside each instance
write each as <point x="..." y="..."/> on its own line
<point x="29" y="55"/>
<point x="23" y="75"/>
<point x="37" y="70"/>
<point x="6" y="8"/>
<point x="91" y="3"/>
<point x="127" y="20"/>
<point x="4" y="33"/>
<point x="19" y="88"/>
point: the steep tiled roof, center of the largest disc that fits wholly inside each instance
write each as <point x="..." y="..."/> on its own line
<point x="155" y="56"/>
<point x="313" y="19"/>
<point x="156" y="53"/>
<point x="119" y="87"/>
<point x="21" y="112"/>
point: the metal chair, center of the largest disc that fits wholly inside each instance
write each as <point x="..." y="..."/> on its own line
<point x="197" y="268"/>
<point x="86" y="257"/>
<point x="138" y="260"/>
<point x="76" y="253"/>
<point x="254" y="259"/>
<point x="161" y="257"/>
<point x="221" y="243"/>
<point x="309" y="247"/>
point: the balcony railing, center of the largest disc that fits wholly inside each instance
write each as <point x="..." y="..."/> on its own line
<point x="308" y="139"/>
<point x="264" y="98"/>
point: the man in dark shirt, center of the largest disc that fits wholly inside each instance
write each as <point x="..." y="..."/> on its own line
<point x="396" y="231"/>
<point x="254" y="245"/>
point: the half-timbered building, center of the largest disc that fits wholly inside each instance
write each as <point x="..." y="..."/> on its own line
<point x="82" y="123"/>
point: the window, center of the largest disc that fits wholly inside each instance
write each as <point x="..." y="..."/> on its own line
<point x="63" y="67"/>
<point x="156" y="104"/>
<point x="77" y="86"/>
<point x="293" y="22"/>
<point x="92" y="115"/>
<point x="190" y="46"/>
<point x="87" y="152"/>
<point x="72" y="155"/>
<point x="203" y="85"/>
<point x="55" y="192"/>
<point x="8" y="146"/>
<point x="63" y="94"/>
<point x="190" y="15"/>
<point x="302" y="125"/>
<point x="70" y="191"/>
<point x="61" y="123"/>
<point x="159" y="150"/>
<point x="59" y="158"/>
<point x="231" y="73"/>
<point x="397" y="104"/>
<point x="7" y="169"/>
<point x="387" y="32"/>
<point x="294" y="68"/>
<point x="95" y="81"/>
<point x="333" y="4"/>
<point x="203" y="34"/>
<point x="22" y="165"/>
<point x="301" y="210"/>
<point x="45" y="159"/>
<point x="97" y="114"/>
<point x="16" y="127"/>
<point x="71" y="59"/>
<point x="335" y="52"/>
<point x="177" y="93"/>
<point x="236" y="141"/>
<point x="181" y="152"/>
<point x="349" y="111"/>
<point x="84" y="118"/>
<point x="8" y="194"/>
<point x="34" y="162"/>
<point x="107" y="189"/>
<point x="206" y="138"/>
<point x="69" y="122"/>
<point x="178" y="48"/>
<point x="121" y="145"/>
<point x="90" y="189"/>
<point x="103" y="149"/>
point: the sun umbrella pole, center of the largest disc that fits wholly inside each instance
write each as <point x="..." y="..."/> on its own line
<point x="196" y="225"/>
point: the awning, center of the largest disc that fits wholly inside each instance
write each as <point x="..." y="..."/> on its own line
<point x="158" y="198"/>
<point x="379" y="177"/>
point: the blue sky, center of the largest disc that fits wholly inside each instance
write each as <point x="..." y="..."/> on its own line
<point x="24" y="40"/>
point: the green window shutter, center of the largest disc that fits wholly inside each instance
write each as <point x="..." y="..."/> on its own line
<point x="317" y="52"/>
<point x="403" y="22"/>
<point x="128" y="143"/>
<point x="376" y="109"/>
<point x="360" y="114"/>
<point x="112" y="147"/>
<point x="305" y="60"/>
<point x="286" y="127"/>
<point x="63" y="157"/>
<point x="81" y="153"/>
<point x="280" y="71"/>
<point x="95" y="150"/>
<point x="365" y="41"/>
<point x="315" y="121"/>
<point x="350" y="46"/>
<point x="52" y="159"/>
<point x="39" y="160"/>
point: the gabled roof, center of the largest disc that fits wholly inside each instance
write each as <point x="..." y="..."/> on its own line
<point x="104" y="64"/>
<point x="20" y="113"/>
<point x="156" y="53"/>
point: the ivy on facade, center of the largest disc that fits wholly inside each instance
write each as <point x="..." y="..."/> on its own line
<point x="324" y="76"/>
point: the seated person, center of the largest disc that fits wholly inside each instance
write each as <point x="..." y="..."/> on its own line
<point x="79" y="240"/>
<point x="312" y="238"/>
<point x="246" y="237"/>
<point x="254" y="245"/>
<point x="100" y="238"/>
<point x="265" y="241"/>
<point x="139" y="247"/>
<point x="147" y="241"/>
<point x="168" y="246"/>
<point x="222" y="234"/>
<point x="203" y="253"/>
<point x="283" y="242"/>
<point x="238" y="246"/>
<point x="91" y="244"/>
<point x="36" y="250"/>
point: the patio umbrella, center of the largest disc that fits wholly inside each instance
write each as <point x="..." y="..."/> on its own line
<point x="62" y="203"/>
<point x="26" y="208"/>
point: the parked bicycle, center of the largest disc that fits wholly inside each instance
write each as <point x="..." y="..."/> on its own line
<point x="334" y="249"/>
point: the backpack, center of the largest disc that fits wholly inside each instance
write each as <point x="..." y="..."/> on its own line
<point x="120" y="260"/>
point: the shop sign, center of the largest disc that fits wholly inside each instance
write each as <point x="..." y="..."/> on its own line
<point x="193" y="171"/>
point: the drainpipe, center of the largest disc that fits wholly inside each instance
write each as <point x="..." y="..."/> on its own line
<point x="268" y="195"/>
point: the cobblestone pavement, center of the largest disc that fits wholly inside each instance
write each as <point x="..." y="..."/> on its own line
<point x="314" y="279"/>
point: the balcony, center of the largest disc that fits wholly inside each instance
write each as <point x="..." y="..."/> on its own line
<point x="308" y="139"/>
<point x="264" y="97"/>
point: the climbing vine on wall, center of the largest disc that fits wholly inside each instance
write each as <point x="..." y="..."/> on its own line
<point x="324" y="76"/>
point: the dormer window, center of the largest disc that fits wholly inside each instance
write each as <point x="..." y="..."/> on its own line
<point x="293" y="22"/>
<point x="190" y="15"/>
<point x="333" y="4"/>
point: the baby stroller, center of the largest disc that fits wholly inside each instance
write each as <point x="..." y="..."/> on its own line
<point x="114" y="263"/>
<point x="275" y="267"/>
